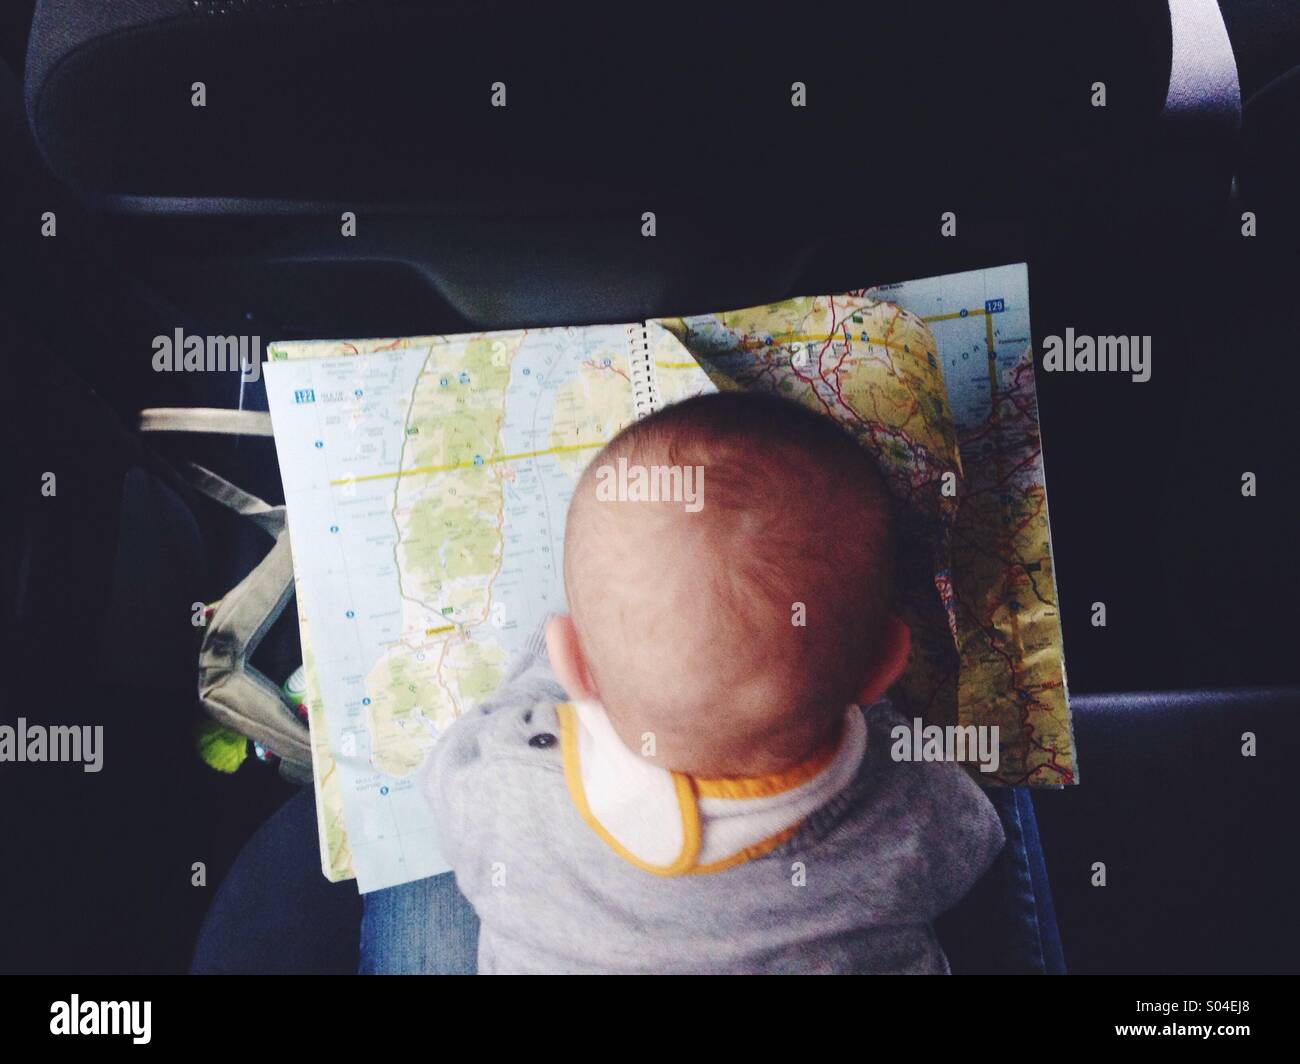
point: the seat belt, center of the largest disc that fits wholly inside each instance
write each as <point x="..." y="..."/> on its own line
<point x="1203" y="84"/>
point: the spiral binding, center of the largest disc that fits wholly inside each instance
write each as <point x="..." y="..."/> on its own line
<point x="645" y="393"/>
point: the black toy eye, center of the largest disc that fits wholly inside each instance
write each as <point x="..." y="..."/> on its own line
<point x="542" y="740"/>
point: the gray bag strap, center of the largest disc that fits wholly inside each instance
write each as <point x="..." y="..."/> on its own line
<point x="231" y="690"/>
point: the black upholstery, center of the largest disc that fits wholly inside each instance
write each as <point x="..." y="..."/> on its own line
<point x="388" y="100"/>
<point x="531" y="214"/>
<point x="1195" y="837"/>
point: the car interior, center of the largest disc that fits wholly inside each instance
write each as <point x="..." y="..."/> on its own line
<point x="127" y="212"/>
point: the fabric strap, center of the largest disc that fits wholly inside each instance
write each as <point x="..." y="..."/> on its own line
<point x="205" y="419"/>
<point x="1203" y="75"/>
<point x="234" y="692"/>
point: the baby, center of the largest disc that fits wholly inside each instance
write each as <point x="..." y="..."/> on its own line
<point x="708" y="788"/>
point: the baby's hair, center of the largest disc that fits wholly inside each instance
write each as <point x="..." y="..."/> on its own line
<point x="791" y="553"/>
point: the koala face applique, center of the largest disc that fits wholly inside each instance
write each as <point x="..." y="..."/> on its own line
<point x="539" y="727"/>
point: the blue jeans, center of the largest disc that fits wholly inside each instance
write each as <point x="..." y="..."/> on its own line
<point x="1005" y="925"/>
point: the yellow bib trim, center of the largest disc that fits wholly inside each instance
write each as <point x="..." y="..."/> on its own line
<point x="749" y="853"/>
<point x="775" y="783"/>
<point x="685" y="802"/>
<point x="688" y="791"/>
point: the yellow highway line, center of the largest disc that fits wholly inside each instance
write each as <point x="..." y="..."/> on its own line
<point x="567" y="448"/>
<point x="955" y="314"/>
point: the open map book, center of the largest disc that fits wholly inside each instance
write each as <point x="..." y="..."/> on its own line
<point x="427" y="480"/>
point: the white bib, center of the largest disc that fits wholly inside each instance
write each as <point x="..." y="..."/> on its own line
<point x="669" y="823"/>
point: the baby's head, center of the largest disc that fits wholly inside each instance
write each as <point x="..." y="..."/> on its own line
<point x="735" y="611"/>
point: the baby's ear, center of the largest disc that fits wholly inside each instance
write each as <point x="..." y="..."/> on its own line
<point x="566" y="658"/>
<point x="891" y="660"/>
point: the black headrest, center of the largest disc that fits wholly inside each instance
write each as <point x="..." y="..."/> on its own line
<point x="390" y="101"/>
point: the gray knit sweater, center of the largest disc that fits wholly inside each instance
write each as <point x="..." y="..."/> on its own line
<point x="855" y="889"/>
